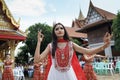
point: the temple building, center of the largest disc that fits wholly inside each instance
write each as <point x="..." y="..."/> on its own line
<point x="10" y="34"/>
<point x="95" y="25"/>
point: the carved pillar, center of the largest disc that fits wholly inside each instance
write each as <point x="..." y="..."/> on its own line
<point x="12" y="46"/>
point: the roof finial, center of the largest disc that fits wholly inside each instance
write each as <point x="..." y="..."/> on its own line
<point x="91" y="3"/>
<point x="81" y="17"/>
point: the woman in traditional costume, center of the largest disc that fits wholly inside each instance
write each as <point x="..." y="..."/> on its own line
<point x="8" y="72"/>
<point x="36" y="74"/>
<point x="88" y="68"/>
<point x="39" y="70"/>
<point x="62" y="61"/>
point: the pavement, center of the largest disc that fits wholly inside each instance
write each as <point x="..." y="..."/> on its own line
<point x="109" y="77"/>
<point x="101" y="77"/>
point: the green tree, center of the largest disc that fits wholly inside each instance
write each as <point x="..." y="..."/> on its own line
<point x="77" y="42"/>
<point x="116" y="31"/>
<point x="22" y="56"/>
<point x="31" y="41"/>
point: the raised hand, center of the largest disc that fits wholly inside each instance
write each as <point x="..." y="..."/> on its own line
<point x="107" y="38"/>
<point x="40" y="36"/>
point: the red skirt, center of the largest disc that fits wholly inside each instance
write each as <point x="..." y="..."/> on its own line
<point x="89" y="72"/>
<point x="7" y="74"/>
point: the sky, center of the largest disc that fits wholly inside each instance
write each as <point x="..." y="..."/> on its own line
<point x="31" y="12"/>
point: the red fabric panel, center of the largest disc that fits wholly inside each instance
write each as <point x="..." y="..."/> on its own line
<point x="48" y="66"/>
<point x="77" y="68"/>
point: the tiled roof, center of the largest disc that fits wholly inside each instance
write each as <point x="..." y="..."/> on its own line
<point x="78" y="23"/>
<point x="72" y="33"/>
<point x="105" y="14"/>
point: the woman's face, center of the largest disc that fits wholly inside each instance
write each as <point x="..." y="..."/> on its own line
<point x="59" y="31"/>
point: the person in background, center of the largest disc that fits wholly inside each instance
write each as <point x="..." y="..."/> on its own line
<point x="30" y="70"/>
<point x="1" y="68"/>
<point x="36" y="73"/>
<point x="21" y="67"/>
<point x="82" y="61"/>
<point x="0" y="73"/>
<point x="39" y="70"/>
<point x="8" y="72"/>
<point x="62" y="61"/>
<point x="114" y="62"/>
<point x="88" y="68"/>
<point x="25" y="70"/>
<point x="105" y="60"/>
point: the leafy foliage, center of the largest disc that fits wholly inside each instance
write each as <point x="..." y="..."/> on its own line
<point x="31" y="41"/>
<point x="23" y="55"/>
<point x="116" y="31"/>
<point x="77" y="42"/>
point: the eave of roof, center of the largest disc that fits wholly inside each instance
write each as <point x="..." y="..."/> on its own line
<point x="105" y="14"/>
<point x="11" y="35"/>
<point x="91" y="25"/>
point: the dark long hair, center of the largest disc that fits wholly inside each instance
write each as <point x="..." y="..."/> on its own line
<point x="54" y="38"/>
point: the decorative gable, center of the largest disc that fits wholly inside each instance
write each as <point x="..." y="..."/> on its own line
<point x="6" y="17"/>
<point x="4" y="21"/>
<point x="96" y="17"/>
<point x="92" y="16"/>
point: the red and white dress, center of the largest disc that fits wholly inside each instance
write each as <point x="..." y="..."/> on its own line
<point x="7" y="72"/>
<point x="65" y="65"/>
